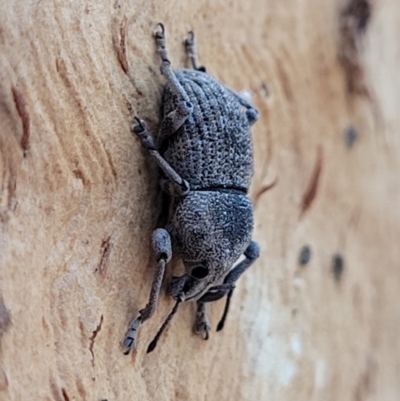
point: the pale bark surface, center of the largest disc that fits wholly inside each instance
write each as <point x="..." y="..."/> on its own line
<point x="79" y="199"/>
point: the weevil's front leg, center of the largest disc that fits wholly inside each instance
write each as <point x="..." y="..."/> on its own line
<point x="161" y="244"/>
<point x="217" y="292"/>
<point x="174" y="184"/>
<point x="251" y="253"/>
<point x="202" y="325"/>
<point x="191" y="52"/>
<point x="182" y="107"/>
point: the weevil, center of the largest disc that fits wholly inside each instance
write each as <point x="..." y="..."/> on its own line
<point x="204" y="150"/>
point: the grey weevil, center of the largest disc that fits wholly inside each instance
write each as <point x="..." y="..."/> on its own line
<point x="205" y="152"/>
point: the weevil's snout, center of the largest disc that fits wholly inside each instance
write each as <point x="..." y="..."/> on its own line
<point x="176" y="287"/>
<point x="184" y="287"/>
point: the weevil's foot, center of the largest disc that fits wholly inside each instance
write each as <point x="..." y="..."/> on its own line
<point x="252" y="116"/>
<point x="145" y="313"/>
<point x="202" y="327"/>
<point x="189" y="41"/>
<point x="129" y="342"/>
<point x="159" y="33"/>
<point x="139" y="129"/>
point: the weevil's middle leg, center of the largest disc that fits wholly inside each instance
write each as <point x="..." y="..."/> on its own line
<point x="174" y="184"/>
<point x="191" y="52"/>
<point x="161" y="244"/>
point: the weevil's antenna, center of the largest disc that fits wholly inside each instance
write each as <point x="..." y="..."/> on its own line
<point x="153" y="344"/>
<point x="225" y="314"/>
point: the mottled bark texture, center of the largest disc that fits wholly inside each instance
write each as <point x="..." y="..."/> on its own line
<point x="79" y="199"/>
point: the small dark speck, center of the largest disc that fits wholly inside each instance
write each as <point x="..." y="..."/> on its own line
<point x="139" y="171"/>
<point x="264" y="90"/>
<point x="350" y="136"/>
<point x="305" y="255"/>
<point x="337" y="266"/>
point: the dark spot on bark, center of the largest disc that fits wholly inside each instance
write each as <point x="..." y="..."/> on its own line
<point x="105" y="251"/>
<point x="353" y="22"/>
<point x="93" y="336"/>
<point x="3" y="380"/>
<point x="305" y="255"/>
<point x="65" y="395"/>
<point x="111" y="164"/>
<point x="350" y="136"/>
<point x="311" y="191"/>
<point x="55" y="392"/>
<point x="284" y="80"/>
<point x="80" y="176"/>
<point x="366" y="384"/>
<point x="5" y="319"/>
<point x="264" y="89"/>
<point x="120" y="47"/>
<point x="24" y="115"/>
<point x="263" y="189"/>
<point x="337" y="266"/>
<point x="81" y="388"/>
<point x="360" y="11"/>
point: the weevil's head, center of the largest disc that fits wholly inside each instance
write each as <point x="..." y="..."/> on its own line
<point x="210" y="230"/>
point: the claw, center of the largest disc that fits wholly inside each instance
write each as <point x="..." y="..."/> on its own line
<point x="203" y="328"/>
<point x="190" y="40"/>
<point x="157" y="33"/>
<point x="139" y="127"/>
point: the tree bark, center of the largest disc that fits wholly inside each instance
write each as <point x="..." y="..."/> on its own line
<point x="317" y="317"/>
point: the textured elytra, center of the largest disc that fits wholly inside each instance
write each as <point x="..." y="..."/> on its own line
<point x="213" y="147"/>
<point x="205" y="154"/>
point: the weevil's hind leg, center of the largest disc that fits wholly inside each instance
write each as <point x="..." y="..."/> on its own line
<point x="161" y="244"/>
<point x="251" y="113"/>
<point x="182" y="107"/>
<point x="191" y="52"/>
<point x="174" y="183"/>
<point x="202" y="325"/>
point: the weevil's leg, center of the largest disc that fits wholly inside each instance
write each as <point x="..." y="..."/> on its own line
<point x="191" y="52"/>
<point x="182" y="107"/>
<point x="251" y="253"/>
<point x="226" y="288"/>
<point x="176" y="184"/>
<point x="226" y="310"/>
<point x="217" y="292"/>
<point x="161" y="244"/>
<point x="252" y="112"/>
<point x="202" y="325"/>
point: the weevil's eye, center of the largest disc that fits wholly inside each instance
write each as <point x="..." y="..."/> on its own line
<point x="199" y="272"/>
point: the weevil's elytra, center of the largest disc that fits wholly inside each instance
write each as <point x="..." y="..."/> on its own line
<point x="204" y="151"/>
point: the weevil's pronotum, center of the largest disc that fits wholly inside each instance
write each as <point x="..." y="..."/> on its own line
<point x="204" y="150"/>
